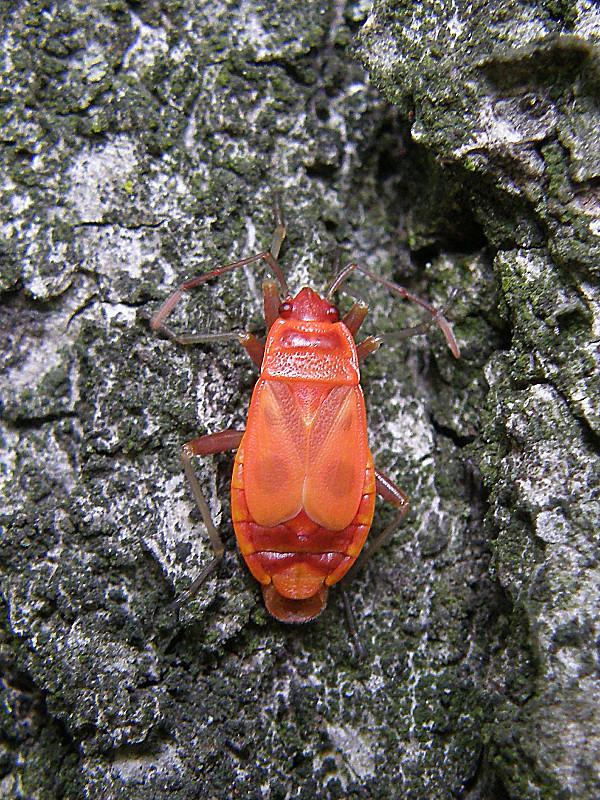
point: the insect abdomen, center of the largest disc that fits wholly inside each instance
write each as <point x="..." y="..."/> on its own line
<point x="298" y="559"/>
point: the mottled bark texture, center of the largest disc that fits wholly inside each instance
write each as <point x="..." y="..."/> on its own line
<point x="139" y="145"/>
<point x="506" y="95"/>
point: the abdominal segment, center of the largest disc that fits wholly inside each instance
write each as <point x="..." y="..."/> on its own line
<point x="299" y="560"/>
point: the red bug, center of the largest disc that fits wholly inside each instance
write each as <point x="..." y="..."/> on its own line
<point x="304" y="485"/>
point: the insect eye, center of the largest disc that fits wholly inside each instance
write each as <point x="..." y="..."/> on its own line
<point x="332" y="314"/>
<point x="285" y="309"/>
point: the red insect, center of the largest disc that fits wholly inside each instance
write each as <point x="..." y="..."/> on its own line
<point x="303" y="486"/>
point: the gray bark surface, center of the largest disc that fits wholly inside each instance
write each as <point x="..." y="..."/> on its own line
<point x="140" y="145"/>
<point x="518" y="85"/>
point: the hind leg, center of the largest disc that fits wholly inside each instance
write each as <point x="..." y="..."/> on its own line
<point x="388" y="490"/>
<point x="204" y="446"/>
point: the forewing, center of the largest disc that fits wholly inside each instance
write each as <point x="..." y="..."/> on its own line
<point x="275" y="454"/>
<point x="337" y="457"/>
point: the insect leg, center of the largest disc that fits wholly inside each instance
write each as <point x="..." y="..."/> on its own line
<point x="437" y="314"/>
<point x="157" y="323"/>
<point x="253" y="346"/>
<point x="271" y="301"/>
<point x="372" y="343"/>
<point x="204" y="446"/>
<point x="355" y="317"/>
<point x="352" y="629"/>
<point x="279" y="233"/>
<point x="367" y="346"/>
<point x="388" y="490"/>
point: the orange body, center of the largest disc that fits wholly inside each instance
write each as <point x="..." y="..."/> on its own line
<point x="303" y="486"/>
